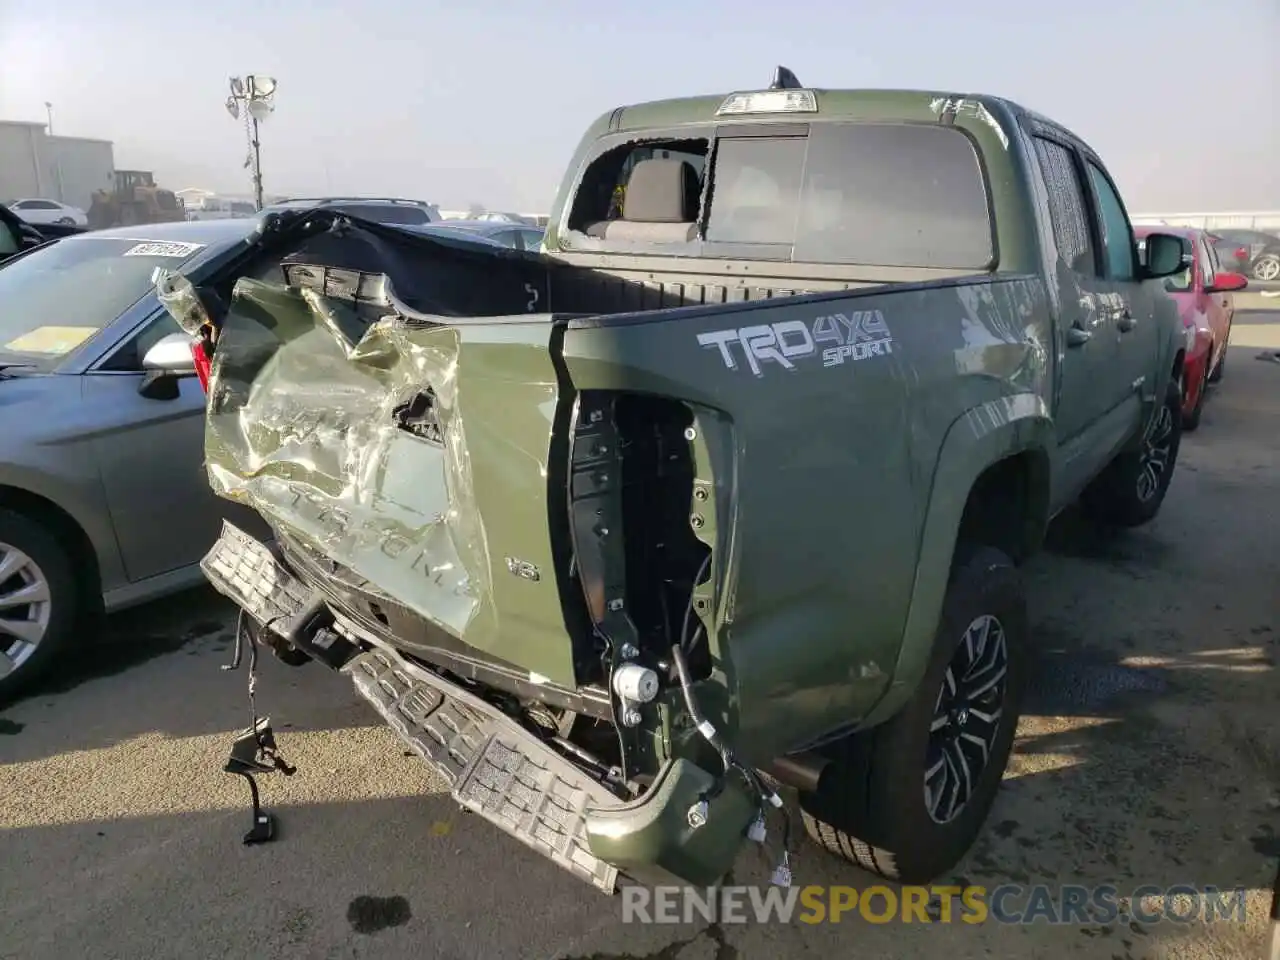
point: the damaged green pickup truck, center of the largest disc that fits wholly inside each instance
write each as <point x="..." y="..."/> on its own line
<point x="723" y="490"/>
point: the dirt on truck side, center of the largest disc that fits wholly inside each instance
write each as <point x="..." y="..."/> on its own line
<point x="726" y="490"/>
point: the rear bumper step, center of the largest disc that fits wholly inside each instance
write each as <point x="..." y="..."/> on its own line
<point x="245" y="571"/>
<point x="494" y="766"/>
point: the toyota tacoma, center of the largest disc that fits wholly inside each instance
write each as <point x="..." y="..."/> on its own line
<point x="724" y="489"/>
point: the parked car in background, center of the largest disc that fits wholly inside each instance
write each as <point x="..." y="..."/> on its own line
<point x="1263" y="251"/>
<point x="49" y="211"/>
<point x="17" y="235"/>
<point x="1232" y="255"/>
<point x="1203" y="292"/>
<point x="389" y="210"/>
<point x="104" y="500"/>
<point x="218" y="208"/>
<point x="517" y="236"/>
<point x="497" y="216"/>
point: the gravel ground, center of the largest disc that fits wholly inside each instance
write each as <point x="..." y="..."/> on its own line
<point x="1148" y="756"/>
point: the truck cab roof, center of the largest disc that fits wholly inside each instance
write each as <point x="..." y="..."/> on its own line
<point x="816" y="104"/>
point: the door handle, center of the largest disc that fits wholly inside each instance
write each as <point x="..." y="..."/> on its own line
<point x="1126" y="322"/>
<point x="1077" y="337"/>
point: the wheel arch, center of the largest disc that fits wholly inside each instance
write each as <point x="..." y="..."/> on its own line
<point x="991" y="450"/>
<point x="69" y="531"/>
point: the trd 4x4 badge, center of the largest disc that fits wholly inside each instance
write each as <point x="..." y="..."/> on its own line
<point x="853" y="336"/>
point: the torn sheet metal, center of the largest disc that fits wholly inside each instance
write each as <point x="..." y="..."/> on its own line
<point x="405" y="447"/>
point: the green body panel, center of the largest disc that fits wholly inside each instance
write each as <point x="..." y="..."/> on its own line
<point x="1014" y="425"/>
<point x="827" y="465"/>
<point x="652" y="840"/>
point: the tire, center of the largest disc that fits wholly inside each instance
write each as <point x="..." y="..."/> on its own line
<point x="1125" y="494"/>
<point x="36" y="557"/>
<point x="1266" y="267"/>
<point x="872" y="806"/>
<point x="1192" y="420"/>
<point x="66" y="221"/>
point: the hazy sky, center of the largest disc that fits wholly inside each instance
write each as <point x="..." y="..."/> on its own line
<point x="485" y="101"/>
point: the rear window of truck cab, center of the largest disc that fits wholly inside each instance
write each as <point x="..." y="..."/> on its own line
<point x="881" y="194"/>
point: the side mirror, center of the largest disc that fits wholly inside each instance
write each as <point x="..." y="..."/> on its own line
<point x="1164" y="254"/>
<point x="171" y="355"/>
<point x="1227" y="282"/>
<point x="169" y="360"/>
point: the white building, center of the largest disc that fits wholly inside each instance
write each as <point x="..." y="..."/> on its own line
<point x="1239" y="219"/>
<point x="68" y="169"/>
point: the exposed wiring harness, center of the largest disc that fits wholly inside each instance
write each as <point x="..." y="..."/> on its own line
<point x="768" y="796"/>
<point x="687" y="636"/>
<point x="242" y="634"/>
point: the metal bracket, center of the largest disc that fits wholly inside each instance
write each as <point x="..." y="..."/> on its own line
<point x="254" y="751"/>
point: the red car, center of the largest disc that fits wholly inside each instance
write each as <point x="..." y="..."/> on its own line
<point x="1203" y="294"/>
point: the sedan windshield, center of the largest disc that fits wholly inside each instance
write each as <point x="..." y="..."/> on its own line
<point x="60" y="296"/>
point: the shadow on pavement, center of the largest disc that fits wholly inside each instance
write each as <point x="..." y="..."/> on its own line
<point x="159" y="669"/>
<point x="134" y="636"/>
<point x="1148" y="751"/>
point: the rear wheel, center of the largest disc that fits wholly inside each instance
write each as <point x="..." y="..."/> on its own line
<point x="1130" y="491"/>
<point x="38" y="601"/>
<point x="908" y="798"/>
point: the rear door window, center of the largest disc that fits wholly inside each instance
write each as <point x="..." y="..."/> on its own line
<point x="880" y="194"/>
<point x="1066" y="206"/>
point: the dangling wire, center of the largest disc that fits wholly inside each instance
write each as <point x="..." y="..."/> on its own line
<point x="686" y="636"/>
<point x="243" y="635"/>
<point x="768" y="796"/>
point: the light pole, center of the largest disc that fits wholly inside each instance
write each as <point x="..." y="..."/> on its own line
<point x="48" y="110"/>
<point x="258" y="96"/>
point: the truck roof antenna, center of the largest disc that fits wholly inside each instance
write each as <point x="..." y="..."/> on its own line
<point x="784" y="79"/>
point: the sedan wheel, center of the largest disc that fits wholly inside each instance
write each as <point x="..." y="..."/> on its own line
<point x="39" y="600"/>
<point x="1267" y="267"/>
<point x="25" y="606"/>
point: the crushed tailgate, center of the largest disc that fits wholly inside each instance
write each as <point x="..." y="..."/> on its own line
<point x="410" y="449"/>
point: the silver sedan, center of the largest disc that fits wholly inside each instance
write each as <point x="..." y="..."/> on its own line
<point x="104" y="500"/>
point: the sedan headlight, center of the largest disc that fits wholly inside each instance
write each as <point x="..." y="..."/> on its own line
<point x="1190" y="334"/>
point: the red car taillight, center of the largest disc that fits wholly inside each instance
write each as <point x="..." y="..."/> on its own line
<point x="201" y="357"/>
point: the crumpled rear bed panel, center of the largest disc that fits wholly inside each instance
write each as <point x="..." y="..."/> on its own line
<point x="305" y="388"/>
